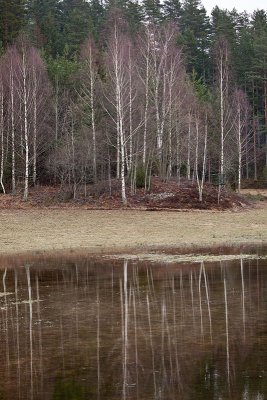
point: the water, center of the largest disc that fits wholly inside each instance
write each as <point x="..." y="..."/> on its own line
<point x="88" y="329"/>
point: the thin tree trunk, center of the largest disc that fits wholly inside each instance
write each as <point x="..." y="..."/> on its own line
<point x="189" y="148"/>
<point x="169" y="174"/>
<point x="239" y="148"/>
<point x="119" y="106"/>
<point x="130" y="110"/>
<point x="254" y="135"/>
<point x="13" y="172"/>
<point x="2" y="135"/>
<point x="56" y="124"/>
<point x="221" y="120"/>
<point x="26" y="132"/>
<point x="73" y="157"/>
<point x="265" y="115"/>
<point x="92" y="89"/>
<point x="146" y="101"/>
<point x="34" y="126"/>
<point x="118" y="148"/>
<point x="200" y="182"/>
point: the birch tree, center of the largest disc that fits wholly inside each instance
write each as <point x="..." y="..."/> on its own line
<point x="163" y="77"/>
<point x="2" y="138"/>
<point x="120" y="93"/>
<point x="144" y="72"/>
<point x="119" y="85"/>
<point x="24" y="94"/>
<point x="41" y="93"/>
<point x="201" y="128"/>
<point x="32" y="90"/>
<point x="87" y="93"/>
<point x="10" y="60"/>
<point x="243" y="135"/>
<point x="225" y="111"/>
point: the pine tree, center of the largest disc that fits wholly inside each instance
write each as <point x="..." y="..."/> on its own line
<point x="12" y="19"/>
<point x="131" y="11"/>
<point x="172" y="10"/>
<point x="97" y="14"/>
<point x="195" y="36"/>
<point x="224" y="26"/>
<point x="244" y="52"/>
<point x="259" y="68"/>
<point x="134" y="15"/>
<point x="111" y="4"/>
<point x="76" y="24"/>
<point x="153" y="11"/>
<point x="45" y="23"/>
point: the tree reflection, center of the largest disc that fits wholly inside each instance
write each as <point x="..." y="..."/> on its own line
<point x="134" y="331"/>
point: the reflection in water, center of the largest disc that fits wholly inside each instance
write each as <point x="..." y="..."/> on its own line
<point x="226" y="332"/>
<point x="134" y="331"/>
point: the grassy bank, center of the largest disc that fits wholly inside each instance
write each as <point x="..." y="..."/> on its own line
<point x="110" y="231"/>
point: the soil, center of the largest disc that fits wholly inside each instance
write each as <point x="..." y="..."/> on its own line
<point x="45" y="224"/>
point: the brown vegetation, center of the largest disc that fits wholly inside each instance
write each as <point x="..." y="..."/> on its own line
<point x="162" y="195"/>
<point x="52" y="221"/>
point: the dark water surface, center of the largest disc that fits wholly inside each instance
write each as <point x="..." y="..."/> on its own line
<point x="134" y="330"/>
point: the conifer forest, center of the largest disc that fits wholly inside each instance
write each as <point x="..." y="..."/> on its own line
<point x="96" y="91"/>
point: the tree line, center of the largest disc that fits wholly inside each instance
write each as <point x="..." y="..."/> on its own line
<point x="91" y="91"/>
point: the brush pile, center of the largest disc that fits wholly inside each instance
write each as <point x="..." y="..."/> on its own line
<point x="162" y="196"/>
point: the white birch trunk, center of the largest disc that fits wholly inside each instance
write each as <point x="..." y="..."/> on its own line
<point x="189" y="148"/>
<point x="56" y="123"/>
<point x="92" y="100"/>
<point x="2" y="135"/>
<point x="21" y="129"/>
<point x="26" y="131"/>
<point x="169" y="174"/>
<point x="200" y="182"/>
<point x="73" y="157"/>
<point x="34" y="126"/>
<point x="146" y="100"/>
<point x="130" y="110"/>
<point x="196" y="149"/>
<point x="239" y="127"/>
<point x="221" y="119"/>
<point x="204" y="159"/>
<point x="118" y="148"/>
<point x="13" y="161"/>
<point x="265" y="113"/>
<point x="119" y="109"/>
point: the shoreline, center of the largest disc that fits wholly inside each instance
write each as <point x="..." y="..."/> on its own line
<point x="102" y="232"/>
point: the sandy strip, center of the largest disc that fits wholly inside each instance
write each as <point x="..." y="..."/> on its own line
<point x="110" y="231"/>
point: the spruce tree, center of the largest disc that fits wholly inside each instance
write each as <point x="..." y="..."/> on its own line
<point x="131" y="10"/>
<point x="97" y="15"/>
<point x="45" y="25"/>
<point x="259" y="69"/>
<point x="195" y="37"/>
<point x="76" y="24"/>
<point x="243" y="52"/>
<point x="12" y="19"/>
<point x="223" y="25"/>
<point x="153" y="11"/>
<point x="172" y="10"/>
<point x="134" y="15"/>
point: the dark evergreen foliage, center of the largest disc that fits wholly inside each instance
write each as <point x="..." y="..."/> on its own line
<point x="12" y="19"/>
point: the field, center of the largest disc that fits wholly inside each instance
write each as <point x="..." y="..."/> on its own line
<point x="94" y="231"/>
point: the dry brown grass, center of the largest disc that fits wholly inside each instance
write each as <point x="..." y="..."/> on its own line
<point x="255" y="192"/>
<point x="110" y="231"/>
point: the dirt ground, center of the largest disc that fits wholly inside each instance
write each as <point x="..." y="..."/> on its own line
<point x="42" y="230"/>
